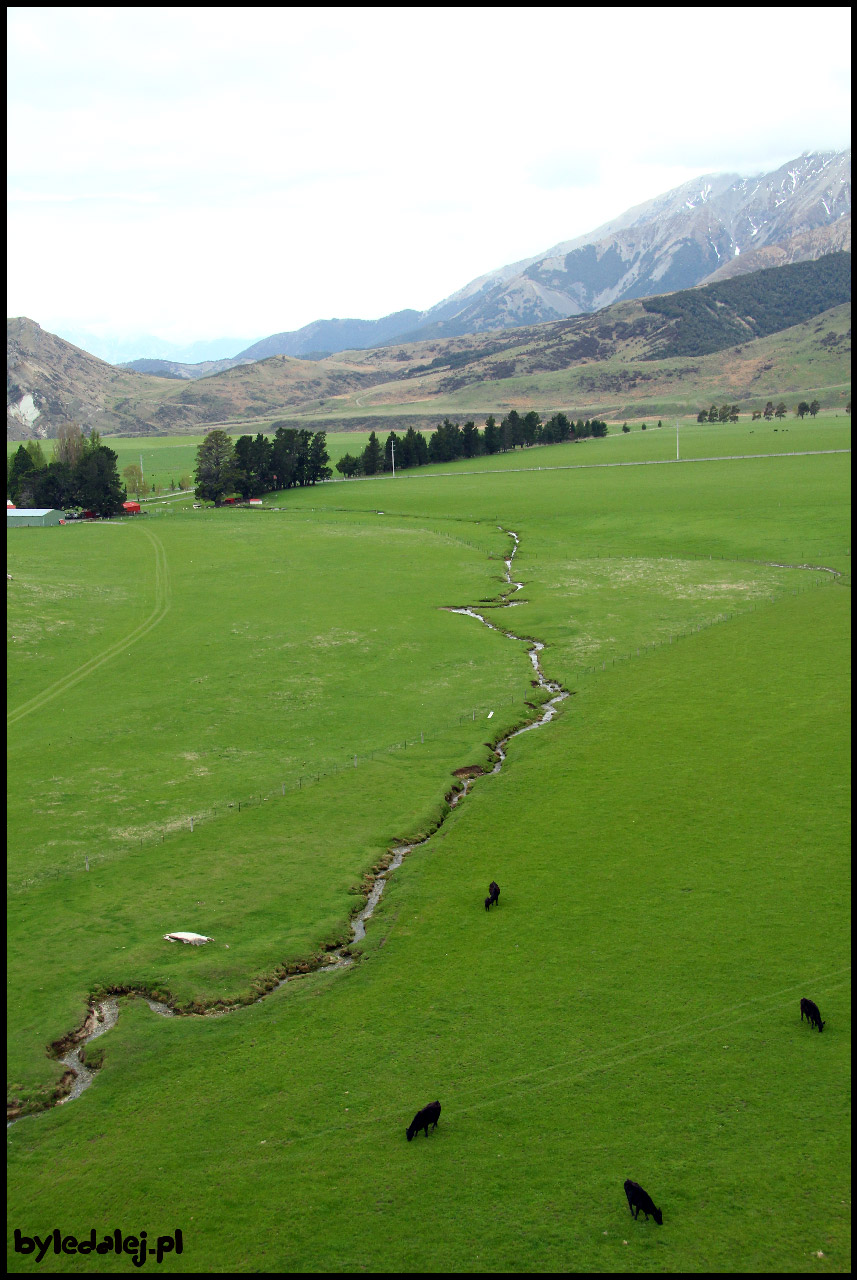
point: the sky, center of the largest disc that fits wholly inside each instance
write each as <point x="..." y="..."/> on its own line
<point x="207" y="172"/>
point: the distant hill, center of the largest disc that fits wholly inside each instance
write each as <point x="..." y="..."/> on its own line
<point x="186" y="372"/>
<point x="127" y="351"/>
<point x="636" y="343"/>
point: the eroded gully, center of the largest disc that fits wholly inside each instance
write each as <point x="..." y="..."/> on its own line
<point x="104" y="1014"/>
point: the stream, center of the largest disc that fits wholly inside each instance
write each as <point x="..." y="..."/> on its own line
<point x="104" y="1015"/>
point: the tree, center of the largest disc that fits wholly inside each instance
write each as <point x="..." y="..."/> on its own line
<point x="512" y="428"/>
<point x="492" y="436"/>
<point x="769" y="410"/>
<point x="133" y="477"/>
<point x="625" y="427"/>
<point x="285" y="456"/>
<point x="34" y="449"/>
<point x="814" y="408"/>
<point x="780" y="411"/>
<point x="215" y="468"/>
<point x="713" y="414"/>
<point x="531" y="428"/>
<point x="254" y="471"/>
<point x="702" y="416"/>
<point x="97" y="480"/>
<point x="350" y="466"/>
<point x="373" y="456"/>
<point x="733" y="413"/>
<point x="723" y="412"/>
<point x="643" y="427"/>
<point x="471" y="441"/>
<point x="802" y="409"/>
<point x="69" y="444"/>
<point x="56" y="486"/>
<point x="20" y="477"/>
<point x="318" y="459"/>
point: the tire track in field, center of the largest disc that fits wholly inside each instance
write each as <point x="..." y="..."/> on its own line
<point x="163" y="600"/>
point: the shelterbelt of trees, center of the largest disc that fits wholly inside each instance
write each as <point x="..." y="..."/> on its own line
<point x="251" y="466"/>
<point x="450" y="441"/>
<point x="81" y="473"/>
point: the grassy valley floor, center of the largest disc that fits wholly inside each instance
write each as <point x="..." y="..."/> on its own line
<point x="672" y="853"/>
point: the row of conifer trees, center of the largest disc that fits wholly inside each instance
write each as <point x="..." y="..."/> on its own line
<point x="450" y="441"/>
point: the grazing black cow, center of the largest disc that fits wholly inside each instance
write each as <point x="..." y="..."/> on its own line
<point x="639" y="1199"/>
<point x="428" y="1115"/>
<point x="493" y="894"/>
<point x="809" y="1009"/>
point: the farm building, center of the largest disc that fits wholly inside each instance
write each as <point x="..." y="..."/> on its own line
<point x="131" y="508"/>
<point x="17" y="517"/>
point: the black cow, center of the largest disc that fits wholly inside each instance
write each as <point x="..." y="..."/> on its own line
<point x="493" y="894"/>
<point x="809" y="1009"/>
<point x="428" y="1116"/>
<point x="639" y="1199"/>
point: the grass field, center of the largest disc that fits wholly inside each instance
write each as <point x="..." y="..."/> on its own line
<point x="167" y="458"/>
<point x="672" y="853"/>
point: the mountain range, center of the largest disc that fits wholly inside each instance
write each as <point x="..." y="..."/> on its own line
<point x="710" y="228"/>
<point x="760" y="334"/>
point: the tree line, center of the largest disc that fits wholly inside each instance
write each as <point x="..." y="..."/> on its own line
<point x="80" y="473"/>
<point x="729" y="413"/>
<point x="450" y="441"/>
<point x="254" y="465"/>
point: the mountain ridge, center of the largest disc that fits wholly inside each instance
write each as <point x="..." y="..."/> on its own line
<point x="50" y="381"/>
<point x="675" y="240"/>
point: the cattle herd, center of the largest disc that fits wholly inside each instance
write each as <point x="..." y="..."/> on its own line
<point x="638" y="1199"/>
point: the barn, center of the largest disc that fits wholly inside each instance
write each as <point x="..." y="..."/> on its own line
<point x="18" y="517"/>
<point x="131" y="508"/>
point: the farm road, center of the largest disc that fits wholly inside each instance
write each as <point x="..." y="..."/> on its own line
<point x="163" y="597"/>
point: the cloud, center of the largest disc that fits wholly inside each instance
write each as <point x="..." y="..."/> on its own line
<point x="251" y="169"/>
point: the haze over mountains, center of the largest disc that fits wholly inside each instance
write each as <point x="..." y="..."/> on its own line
<point x="709" y="228"/>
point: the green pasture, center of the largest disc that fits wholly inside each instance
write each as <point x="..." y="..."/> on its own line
<point x="167" y="458"/>
<point x="672" y="853"/>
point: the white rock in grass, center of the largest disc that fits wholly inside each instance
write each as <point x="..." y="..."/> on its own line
<point x="195" y="939"/>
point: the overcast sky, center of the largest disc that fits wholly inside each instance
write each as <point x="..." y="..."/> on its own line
<point x="195" y="173"/>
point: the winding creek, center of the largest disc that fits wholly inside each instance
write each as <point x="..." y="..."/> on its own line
<point x="104" y="1015"/>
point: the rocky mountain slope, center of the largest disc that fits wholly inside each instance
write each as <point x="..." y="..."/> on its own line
<point x="711" y="228"/>
<point x="49" y="381"/>
<point x="672" y="242"/>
